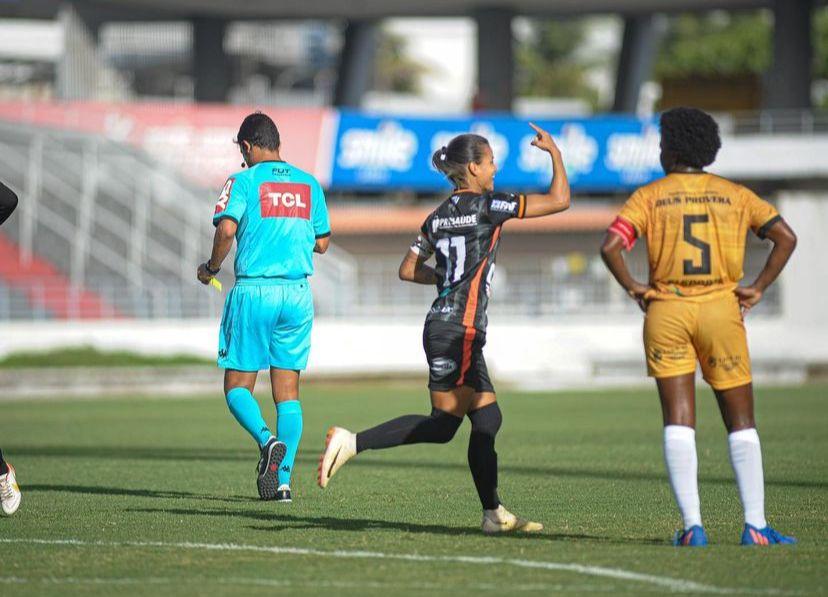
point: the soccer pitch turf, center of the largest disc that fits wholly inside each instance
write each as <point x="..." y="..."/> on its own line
<point x="158" y="496"/>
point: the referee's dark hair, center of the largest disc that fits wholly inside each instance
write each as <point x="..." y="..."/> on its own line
<point x="260" y="131"/>
<point x="691" y="136"/>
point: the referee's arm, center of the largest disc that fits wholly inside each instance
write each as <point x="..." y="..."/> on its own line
<point x="8" y="202"/>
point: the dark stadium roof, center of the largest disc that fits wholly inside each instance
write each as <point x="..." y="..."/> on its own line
<point x="234" y="9"/>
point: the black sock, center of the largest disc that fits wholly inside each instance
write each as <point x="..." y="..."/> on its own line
<point x="482" y="456"/>
<point x="4" y="468"/>
<point x="438" y="428"/>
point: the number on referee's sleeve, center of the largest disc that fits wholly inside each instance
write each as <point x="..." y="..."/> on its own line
<point x="225" y="196"/>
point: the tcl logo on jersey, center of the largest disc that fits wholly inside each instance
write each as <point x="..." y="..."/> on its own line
<point x="225" y="196"/>
<point x="285" y="200"/>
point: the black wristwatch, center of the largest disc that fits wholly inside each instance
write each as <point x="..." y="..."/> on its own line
<point x="210" y="271"/>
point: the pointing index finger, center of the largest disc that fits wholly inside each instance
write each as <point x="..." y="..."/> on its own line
<point x="538" y="129"/>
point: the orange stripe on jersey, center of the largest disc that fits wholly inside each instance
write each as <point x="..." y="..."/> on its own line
<point x="521" y="205"/>
<point x="468" y="341"/>
<point x="474" y="290"/>
<point x="471" y="311"/>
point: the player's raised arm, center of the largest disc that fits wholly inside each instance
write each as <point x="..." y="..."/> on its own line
<point x="557" y="198"/>
<point x="784" y="243"/>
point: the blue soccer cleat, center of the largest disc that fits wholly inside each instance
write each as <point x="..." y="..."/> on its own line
<point x="692" y="537"/>
<point x="767" y="536"/>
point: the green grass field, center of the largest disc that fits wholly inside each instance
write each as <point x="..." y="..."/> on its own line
<point x="158" y="496"/>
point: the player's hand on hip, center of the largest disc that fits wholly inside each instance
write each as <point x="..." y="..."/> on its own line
<point x="544" y="140"/>
<point x="641" y="294"/>
<point x="203" y="275"/>
<point x="749" y="297"/>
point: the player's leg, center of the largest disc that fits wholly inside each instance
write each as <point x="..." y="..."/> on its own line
<point x="736" y="405"/>
<point x="243" y="349"/>
<point x="242" y="354"/>
<point x="439" y="427"/>
<point x="486" y="419"/>
<point x="289" y="423"/>
<point x="238" y="391"/>
<point x="671" y="359"/>
<point x="677" y="395"/>
<point x="725" y="362"/>
<point x="290" y="343"/>
<point x="447" y="411"/>
<point x="449" y="404"/>
<point x="9" y="491"/>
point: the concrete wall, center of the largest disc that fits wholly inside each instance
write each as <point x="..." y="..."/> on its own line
<point x="525" y="354"/>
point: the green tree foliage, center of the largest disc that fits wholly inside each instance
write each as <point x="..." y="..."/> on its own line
<point x="547" y="63"/>
<point x="394" y="71"/>
<point x="821" y="43"/>
<point x="716" y="43"/>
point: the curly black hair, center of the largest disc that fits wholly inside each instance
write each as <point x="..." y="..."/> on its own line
<point x="691" y="135"/>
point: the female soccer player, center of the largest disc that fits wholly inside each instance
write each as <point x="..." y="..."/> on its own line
<point x="695" y="224"/>
<point x="463" y="233"/>
<point x="9" y="491"/>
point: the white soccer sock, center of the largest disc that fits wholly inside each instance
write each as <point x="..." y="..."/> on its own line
<point x="746" y="458"/>
<point x="683" y="468"/>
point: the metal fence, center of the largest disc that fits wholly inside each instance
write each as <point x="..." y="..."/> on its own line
<point x="366" y="288"/>
<point x="775" y="122"/>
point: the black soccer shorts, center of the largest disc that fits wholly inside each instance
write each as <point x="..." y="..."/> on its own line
<point x="455" y="357"/>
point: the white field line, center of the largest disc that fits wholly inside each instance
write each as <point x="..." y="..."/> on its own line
<point x="292" y="584"/>
<point x="663" y="582"/>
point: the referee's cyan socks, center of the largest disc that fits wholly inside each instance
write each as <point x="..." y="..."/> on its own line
<point x="289" y="431"/>
<point x="246" y="410"/>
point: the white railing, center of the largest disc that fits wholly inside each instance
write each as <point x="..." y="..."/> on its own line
<point x="365" y="289"/>
<point x="774" y="122"/>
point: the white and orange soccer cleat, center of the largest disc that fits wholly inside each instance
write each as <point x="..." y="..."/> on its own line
<point x="503" y="521"/>
<point x="9" y="492"/>
<point x="340" y="447"/>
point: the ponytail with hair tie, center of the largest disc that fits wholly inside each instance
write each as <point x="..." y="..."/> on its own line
<point x="465" y="148"/>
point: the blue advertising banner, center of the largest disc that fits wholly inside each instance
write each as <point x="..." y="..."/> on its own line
<point x="602" y="153"/>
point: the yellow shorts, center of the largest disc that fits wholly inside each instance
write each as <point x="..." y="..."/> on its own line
<point x="677" y="333"/>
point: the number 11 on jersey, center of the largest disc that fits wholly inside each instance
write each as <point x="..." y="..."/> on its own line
<point x="458" y="243"/>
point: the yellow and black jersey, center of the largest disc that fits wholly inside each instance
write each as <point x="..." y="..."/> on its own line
<point x="696" y="226"/>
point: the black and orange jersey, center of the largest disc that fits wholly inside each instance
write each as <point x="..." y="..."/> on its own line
<point x="696" y="227"/>
<point x="464" y="233"/>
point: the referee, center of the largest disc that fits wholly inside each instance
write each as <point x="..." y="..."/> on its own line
<point x="278" y="217"/>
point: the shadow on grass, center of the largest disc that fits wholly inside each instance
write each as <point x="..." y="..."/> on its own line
<point x="285" y="521"/>
<point x="231" y="455"/>
<point x="120" y="491"/>
<point x="290" y="521"/>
